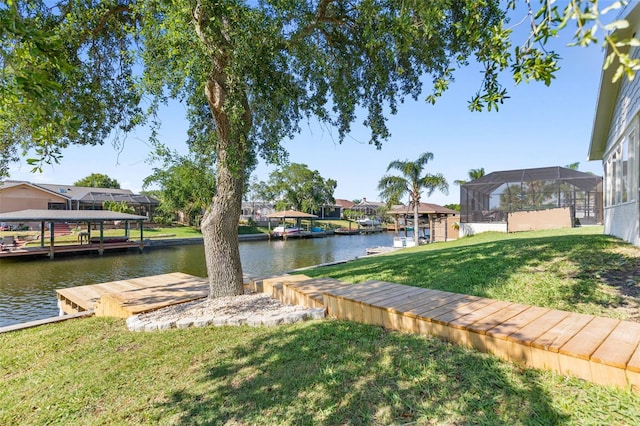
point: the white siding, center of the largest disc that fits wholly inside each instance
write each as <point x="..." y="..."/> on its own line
<point x="622" y="209"/>
<point x="627" y="106"/>
<point x="622" y="222"/>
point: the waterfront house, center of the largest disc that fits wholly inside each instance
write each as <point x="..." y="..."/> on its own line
<point x="615" y="139"/>
<point x="21" y="195"/>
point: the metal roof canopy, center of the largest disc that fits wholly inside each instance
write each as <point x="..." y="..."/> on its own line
<point x="293" y="214"/>
<point x="423" y="208"/>
<point x="92" y="197"/>
<point x="67" y="216"/>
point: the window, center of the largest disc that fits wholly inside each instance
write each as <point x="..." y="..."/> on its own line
<point x="57" y="206"/>
<point x="606" y="184"/>
<point x="625" y="187"/>
<point x="633" y="165"/>
<point x="618" y="171"/>
<point x="614" y="186"/>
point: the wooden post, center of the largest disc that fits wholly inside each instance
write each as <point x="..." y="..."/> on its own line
<point x="406" y="225"/>
<point x="141" y="236"/>
<point x="101" y="249"/>
<point x="446" y="228"/>
<point x="51" y="234"/>
<point x="42" y="234"/>
<point x="432" y="231"/>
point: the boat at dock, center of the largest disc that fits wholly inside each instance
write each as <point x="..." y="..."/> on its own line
<point x="294" y="232"/>
<point x="285" y="232"/>
<point x="367" y="221"/>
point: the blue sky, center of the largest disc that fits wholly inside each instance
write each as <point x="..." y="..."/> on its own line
<point x="538" y="126"/>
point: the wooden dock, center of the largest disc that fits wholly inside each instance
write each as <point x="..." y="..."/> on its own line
<point x="36" y="251"/>
<point x="601" y="350"/>
<point x="130" y="297"/>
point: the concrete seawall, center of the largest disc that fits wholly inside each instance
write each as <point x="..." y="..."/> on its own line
<point x="161" y="242"/>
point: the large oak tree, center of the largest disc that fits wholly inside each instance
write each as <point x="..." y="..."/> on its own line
<point x="98" y="180"/>
<point x="78" y="71"/>
<point x="297" y="187"/>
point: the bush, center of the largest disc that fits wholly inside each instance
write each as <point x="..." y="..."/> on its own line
<point x="163" y="220"/>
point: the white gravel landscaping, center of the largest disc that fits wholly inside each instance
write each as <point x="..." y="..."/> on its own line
<point x="257" y="309"/>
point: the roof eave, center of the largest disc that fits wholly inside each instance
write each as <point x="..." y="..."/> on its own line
<point x="608" y="93"/>
<point x="36" y="187"/>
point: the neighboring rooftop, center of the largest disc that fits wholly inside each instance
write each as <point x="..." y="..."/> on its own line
<point x="85" y="195"/>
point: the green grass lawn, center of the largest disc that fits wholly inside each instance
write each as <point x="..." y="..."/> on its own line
<point x="160" y="232"/>
<point x="579" y="270"/>
<point x="168" y="232"/>
<point x="94" y="371"/>
<point x="153" y="233"/>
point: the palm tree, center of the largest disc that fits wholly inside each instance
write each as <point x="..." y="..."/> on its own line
<point x="573" y="166"/>
<point x="473" y="175"/>
<point x="413" y="181"/>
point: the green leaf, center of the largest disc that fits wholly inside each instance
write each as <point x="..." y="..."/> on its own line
<point x="609" y="60"/>
<point x="614" y="6"/>
<point x="619" y="71"/>
<point x="616" y="25"/>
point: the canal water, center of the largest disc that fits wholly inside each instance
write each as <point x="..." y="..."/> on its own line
<point x="27" y="287"/>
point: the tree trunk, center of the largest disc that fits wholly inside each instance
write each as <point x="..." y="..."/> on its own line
<point x="416" y="224"/>
<point x="220" y="222"/>
<point x="220" y="232"/>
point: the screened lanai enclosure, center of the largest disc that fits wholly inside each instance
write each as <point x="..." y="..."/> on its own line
<point x="492" y="197"/>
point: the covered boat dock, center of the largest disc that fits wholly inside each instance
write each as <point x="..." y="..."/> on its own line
<point x="49" y="218"/>
<point x="298" y="216"/>
<point x="438" y="220"/>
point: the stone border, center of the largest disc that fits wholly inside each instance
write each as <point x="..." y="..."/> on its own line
<point x="136" y="323"/>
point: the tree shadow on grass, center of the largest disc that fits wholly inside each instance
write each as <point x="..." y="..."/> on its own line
<point x="564" y="270"/>
<point x="334" y="372"/>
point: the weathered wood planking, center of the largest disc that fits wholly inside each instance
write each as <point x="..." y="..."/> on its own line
<point x="602" y="350"/>
<point x="152" y="296"/>
<point x="136" y="295"/>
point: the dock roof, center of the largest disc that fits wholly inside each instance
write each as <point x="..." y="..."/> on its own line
<point x="423" y="208"/>
<point x="33" y="215"/>
<point x="292" y="214"/>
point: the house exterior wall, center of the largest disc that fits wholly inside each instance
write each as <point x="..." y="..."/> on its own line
<point x="621" y="163"/>
<point x="621" y="188"/>
<point x="23" y="197"/>
<point x="622" y="222"/>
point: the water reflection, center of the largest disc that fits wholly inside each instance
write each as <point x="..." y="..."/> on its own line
<point x="27" y="287"/>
